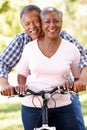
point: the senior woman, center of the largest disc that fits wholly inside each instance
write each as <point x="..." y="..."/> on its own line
<point x="46" y="63"/>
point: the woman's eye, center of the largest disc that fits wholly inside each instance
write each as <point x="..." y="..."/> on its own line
<point x="47" y="22"/>
<point x="56" y="21"/>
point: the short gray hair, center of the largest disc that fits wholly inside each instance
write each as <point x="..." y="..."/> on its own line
<point x="50" y="9"/>
<point x="29" y="8"/>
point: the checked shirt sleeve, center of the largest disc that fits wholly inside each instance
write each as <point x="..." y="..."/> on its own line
<point x="83" y="52"/>
<point x="12" y="54"/>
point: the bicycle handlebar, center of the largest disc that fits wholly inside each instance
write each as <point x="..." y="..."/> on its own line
<point x="50" y="91"/>
<point x="61" y="89"/>
<point x="43" y="92"/>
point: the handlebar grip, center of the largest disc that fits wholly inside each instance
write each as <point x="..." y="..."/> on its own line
<point x="15" y="93"/>
<point x="19" y="95"/>
<point x="1" y="93"/>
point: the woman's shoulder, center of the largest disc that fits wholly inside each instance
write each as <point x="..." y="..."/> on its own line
<point x="32" y="43"/>
<point x="68" y="44"/>
<point x="70" y="47"/>
<point x="30" y="47"/>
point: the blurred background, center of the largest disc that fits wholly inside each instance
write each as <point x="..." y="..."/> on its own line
<point x="75" y="17"/>
<point x="74" y="22"/>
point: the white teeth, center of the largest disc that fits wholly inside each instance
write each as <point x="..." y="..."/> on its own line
<point x="52" y="30"/>
<point x="33" y="31"/>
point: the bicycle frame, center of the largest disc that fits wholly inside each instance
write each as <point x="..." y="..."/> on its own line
<point x="46" y="96"/>
<point x="45" y="114"/>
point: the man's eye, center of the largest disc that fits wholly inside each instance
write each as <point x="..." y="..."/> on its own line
<point x="36" y="21"/>
<point x="26" y="24"/>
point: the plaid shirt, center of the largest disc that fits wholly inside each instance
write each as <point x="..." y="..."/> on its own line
<point x="12" y="54"/>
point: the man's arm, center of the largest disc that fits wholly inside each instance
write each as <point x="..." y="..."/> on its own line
<point x="6" y="88"/>
<point x="8" y="59"/>
<point x="83" y="52"/>
<point x="83" y="75"/>
<point x="10" y="56"/>
<point x="81" y="83"/>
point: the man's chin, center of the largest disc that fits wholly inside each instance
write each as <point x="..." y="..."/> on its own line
<point x="34" y="37"/>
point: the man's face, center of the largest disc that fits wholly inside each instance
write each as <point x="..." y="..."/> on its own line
<point x="32" y="24"/>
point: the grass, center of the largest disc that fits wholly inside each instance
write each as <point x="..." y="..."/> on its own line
<point x="83" y="99"/>
<point x="10" y="112"/>
<point x="10" y="109"/>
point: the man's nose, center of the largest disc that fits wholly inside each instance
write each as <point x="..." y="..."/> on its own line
<point x="32" y="25"/>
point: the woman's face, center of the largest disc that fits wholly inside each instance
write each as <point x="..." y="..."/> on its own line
<point x="51" y="24"/>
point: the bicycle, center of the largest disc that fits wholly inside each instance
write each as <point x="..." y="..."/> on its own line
<point x="46" y="95"/>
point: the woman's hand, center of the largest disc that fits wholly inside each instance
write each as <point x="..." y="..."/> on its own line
<point x="20" y="89"/>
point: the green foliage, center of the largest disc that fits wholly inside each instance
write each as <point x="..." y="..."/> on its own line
<point x="4" y="7"/>
<point x="10" y="115"/>
<point x="83" y="1"/>
<point x="74" y="22"/>
<point x="2" y="45"/>
<point x="75" y="18"/>
<point x="10" y="112"/>
<point x="69" y="4"/>
<point x="10" y="15"/>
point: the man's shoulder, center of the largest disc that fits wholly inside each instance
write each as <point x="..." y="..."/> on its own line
<point x="23" y="37"/>
<point x="62" y="32"/>
<point x="22" y="34"/>
<point x="67" y="44"/>
<point x="32" y="44"/>
<point x="65" y="35"/>
<point x="68" y="37"/>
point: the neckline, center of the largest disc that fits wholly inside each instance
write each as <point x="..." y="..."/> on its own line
<point x="44" y="54"/>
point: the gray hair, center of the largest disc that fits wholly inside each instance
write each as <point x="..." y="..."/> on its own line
<point x="50" y="9"/>
<point x="29" y="8"/>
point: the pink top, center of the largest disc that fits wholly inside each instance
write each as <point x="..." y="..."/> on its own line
<point x="47" y="73"/>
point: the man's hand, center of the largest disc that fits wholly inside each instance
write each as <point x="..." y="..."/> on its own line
<point x="75" y="86"/>
<point x="79" y="86"/>
<point x="6" y="88"/>
<point x="81" y="83"/>
<point x="7" y="91"/>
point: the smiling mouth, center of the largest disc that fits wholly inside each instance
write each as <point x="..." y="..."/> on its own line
<point x="52" y="30"/>
<point x="34" y="31"/>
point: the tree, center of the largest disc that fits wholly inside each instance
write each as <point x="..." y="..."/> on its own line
<point x="10" y="16"/>
<point x="74" y="20"/>
<point x="75" y="17"/>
